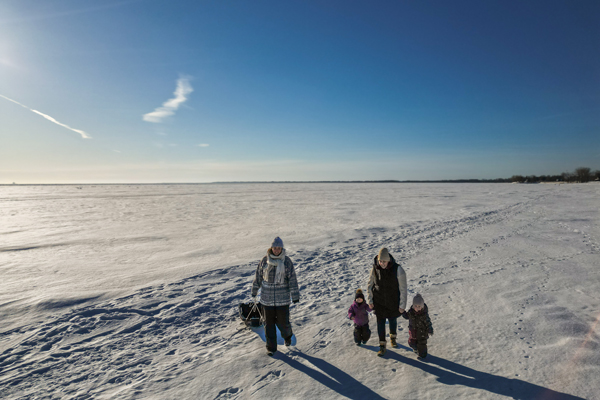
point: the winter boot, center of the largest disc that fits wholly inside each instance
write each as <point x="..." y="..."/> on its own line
<point x="288" y="341"/>
<point x="393" y="340"/>
<point x="381" y="351"/>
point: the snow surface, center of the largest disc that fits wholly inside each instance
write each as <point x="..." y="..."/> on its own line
<point x="119" y="292"/>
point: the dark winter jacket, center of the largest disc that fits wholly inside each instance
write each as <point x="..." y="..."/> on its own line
<point x="387" y="289"/>
<point x="275" y="294"/>
<point x="419" y="324"/>
<point x="360" y="313"/>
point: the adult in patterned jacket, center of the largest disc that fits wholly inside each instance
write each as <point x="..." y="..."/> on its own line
<point x="387" y="295"/>
<point x="276" y="278"/>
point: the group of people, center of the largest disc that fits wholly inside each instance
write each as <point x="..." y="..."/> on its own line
<point x="387" y="297"/>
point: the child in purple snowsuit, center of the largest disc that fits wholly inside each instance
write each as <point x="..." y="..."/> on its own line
<point x="358" y="313"/>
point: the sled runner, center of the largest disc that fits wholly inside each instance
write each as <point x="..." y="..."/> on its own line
<point x="252" y="314"/>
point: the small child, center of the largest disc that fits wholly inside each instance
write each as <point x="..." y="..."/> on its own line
<point x="358" y="313"/>
<point x="419" y="326"/>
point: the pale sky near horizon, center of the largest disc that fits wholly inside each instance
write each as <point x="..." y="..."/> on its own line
<point x="198" y="91"/>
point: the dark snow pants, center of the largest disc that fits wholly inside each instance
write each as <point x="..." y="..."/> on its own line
<point x="361" y="333"/>
<point x="381" y="327"/>
<point x="277" y="316"/>
<point x="420" y="346"/>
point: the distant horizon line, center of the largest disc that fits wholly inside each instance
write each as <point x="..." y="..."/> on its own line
<point x="497" y="180"/>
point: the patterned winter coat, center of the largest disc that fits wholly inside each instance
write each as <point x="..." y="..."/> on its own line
<point x="359" y="313"/>
<point x="419" y="324"/>
<point x="273" y="294"/>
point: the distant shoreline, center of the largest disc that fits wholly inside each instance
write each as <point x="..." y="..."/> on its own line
<point x="264" y="182"/>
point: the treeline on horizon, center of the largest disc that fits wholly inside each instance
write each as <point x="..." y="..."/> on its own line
<point x="581" y="175"/>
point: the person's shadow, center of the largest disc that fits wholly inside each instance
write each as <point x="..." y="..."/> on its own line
<point x="447" y="372"/>
<point x="260" y="331"/>
<point x="329" y="375"/>
<point x="450" y="373"/>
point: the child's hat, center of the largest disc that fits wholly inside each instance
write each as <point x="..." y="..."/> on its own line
<point x="418" y="300"/>
<point x="359" y="294"/>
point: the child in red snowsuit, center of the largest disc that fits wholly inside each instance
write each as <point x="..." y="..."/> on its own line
<point x="419" y="326"/>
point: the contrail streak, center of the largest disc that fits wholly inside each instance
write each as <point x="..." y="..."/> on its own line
<point x="66" y="13"/>
<point x="49" y="118"/>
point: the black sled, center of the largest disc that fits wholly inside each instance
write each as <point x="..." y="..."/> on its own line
<point x="252" y="314"/>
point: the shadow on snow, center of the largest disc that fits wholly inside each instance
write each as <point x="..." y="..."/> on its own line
<point x="330" y="376"/>
<point x="447" y="372"/>
<point x="451" y="373"/>
<point x="260" y="331"/>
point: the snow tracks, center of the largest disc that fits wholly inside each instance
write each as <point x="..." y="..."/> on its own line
<point x="161" y="336"/>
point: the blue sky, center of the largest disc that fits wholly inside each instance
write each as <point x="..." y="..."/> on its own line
<point x="201" y="91"/>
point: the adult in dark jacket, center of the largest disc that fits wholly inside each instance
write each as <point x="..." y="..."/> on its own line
<point x="276" y="278"/>
<point x="387" y="295"/>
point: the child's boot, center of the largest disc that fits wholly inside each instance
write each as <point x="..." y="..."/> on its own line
<point x="381" y="351"/>
<point x="393" y="340"/>
<point x="422" y="350"/>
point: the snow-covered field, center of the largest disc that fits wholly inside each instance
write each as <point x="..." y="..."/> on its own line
<point x="126" y="292"/>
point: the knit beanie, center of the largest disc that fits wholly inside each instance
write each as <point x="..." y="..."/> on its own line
<point x="383" y="255"/>
<point x="418" y="300"/>
<point x="277" y="242"/>
<point x="359" y="294"/>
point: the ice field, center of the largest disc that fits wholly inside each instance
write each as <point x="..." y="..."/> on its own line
<point x="131" y="291"/>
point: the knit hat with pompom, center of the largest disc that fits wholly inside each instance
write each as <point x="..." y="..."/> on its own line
<point x="418" y="300"/>
<point x="359" y="294"/>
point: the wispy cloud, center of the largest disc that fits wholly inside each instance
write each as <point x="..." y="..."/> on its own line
<point x="203" y="145"/>
<point x="170" y="106"/>
<point x="49" y="118"/>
